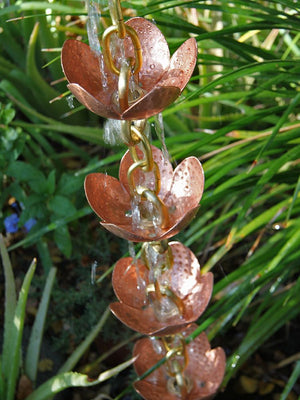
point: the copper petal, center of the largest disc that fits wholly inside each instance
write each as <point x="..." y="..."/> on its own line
<point x="185" y="281"/>
<point x="182" y="65"/>
<point x="89" y="85"/>
<point x="124" y="280"/>
<point x="155" y="51"/>
<point x="108" y="198"/>
<point x="152" y="103"/>
<point x="92" y="103"/>
<point x="161" y="79"/>
<point x="186" y="188"/>
<point x="185" y="272"/>
<point x="144" y="320"/>
<point x="170" y="86"/>
<point x="182" y="200"/>
<point x="82" y="65"/>
<point x="205" y="368"/>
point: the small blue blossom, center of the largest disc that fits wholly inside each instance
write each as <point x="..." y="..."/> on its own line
<point x="29" y="224"/>
<point x="11" y="223"/>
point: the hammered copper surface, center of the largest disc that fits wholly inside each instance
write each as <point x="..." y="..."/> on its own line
<point x="205" y="368"/>
<point x="181" y="190"/>
<point x="130" y="280"/>
<point x="161" y="79"/>
<point x="147" y="178"/>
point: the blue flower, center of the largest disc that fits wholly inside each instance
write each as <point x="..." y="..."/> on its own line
<point x="11" y="223"/>
<point x="29" y="224"/>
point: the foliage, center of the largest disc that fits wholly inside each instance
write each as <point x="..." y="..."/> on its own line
<point x="13" y="331"/>
<point x="42" y="189"/>
<point x="239" y="115"/>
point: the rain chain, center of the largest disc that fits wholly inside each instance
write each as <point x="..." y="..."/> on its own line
<point x="162" y="293"/>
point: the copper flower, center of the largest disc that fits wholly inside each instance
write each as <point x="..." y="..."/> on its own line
<point x="160" y="316"/>
<point x="204" y="371"/>
<point x="181" y="191"/>
<point x="160" y="80"/>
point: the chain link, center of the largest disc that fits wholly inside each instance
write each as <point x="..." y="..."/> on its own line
<point x="106" y="39"/>
<point x="135" y="137"/>
<point x="177" y="360"/>
<point x="161" y="262"/>
<point x="117" y="17"/>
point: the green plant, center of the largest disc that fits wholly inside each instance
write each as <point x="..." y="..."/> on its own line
<point x="41" y="187"/>
<point x="10" y="359"/>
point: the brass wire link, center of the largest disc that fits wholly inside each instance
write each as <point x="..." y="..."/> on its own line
<point x="128" y="66"/>
<point x="123" y="85"/>
<point x="165" y="250"/>
<point x="117" y="17"/>
<point x="106" y="39"/>
<point x="122" y="30"/>
<point x="174" y="351"/>
<point x="146" y="164"/>
<point x="161" y="248"/>
<point x="174" y="367"/>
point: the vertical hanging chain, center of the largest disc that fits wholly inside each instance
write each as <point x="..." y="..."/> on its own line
<point x="129" y="67"/>
<point x="135" y="136"/>
<point x="163" y="261"/>
<point x="177" y="360"/>
<point x="122" y="30"/>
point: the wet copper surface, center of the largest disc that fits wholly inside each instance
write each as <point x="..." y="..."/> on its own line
<point x="161" y="79"/>
<point x="205" y="368"/>
<point x="131" y="278"/>
<point x="181" y="191"/>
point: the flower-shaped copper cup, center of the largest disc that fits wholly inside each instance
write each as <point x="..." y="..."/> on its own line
<point x="204" y="371"/>
<point x="150" y="316"/>
<point x="181" y="191"/>
<point x="161" y="78"/>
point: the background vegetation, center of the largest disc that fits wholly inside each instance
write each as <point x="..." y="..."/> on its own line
<point x="239" y="115"/>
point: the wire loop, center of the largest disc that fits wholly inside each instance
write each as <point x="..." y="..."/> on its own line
<point x="175" y="351"/>
<point x="106" y="39"/>
<point x="123" y="85"/>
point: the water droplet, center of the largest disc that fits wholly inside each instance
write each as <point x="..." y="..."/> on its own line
<point x="152" y="66"/>
<point x="70" y="101"/>
<point x="165" y="309"/>
<point x="112" y="129"/>
<point x="93" y="272"/>
<point x="159" y="128"/>
<point x="235" y="360"/>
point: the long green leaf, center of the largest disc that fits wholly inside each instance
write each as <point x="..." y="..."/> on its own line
<point x="285" y="309"/>
<point x="291" y="382"/>
<point x="9" y="309"/>
<point x="74" y="379"/>
<point x="36" y="336"/>
<point x="40" y="5"/>
<point x="81" y="349"/>
<point x="16" y="333"/>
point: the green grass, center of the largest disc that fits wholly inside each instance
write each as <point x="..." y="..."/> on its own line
<point x="239" y="114"/>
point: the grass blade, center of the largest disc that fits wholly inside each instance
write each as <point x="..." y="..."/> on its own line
<point x="10" y="306"/>
<point x="291" y="382"/>
<point x="16" y="333"/>
<point x="80" y="350"/>
<point x="36" y="336"/>
<point x="74" y="379"/>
